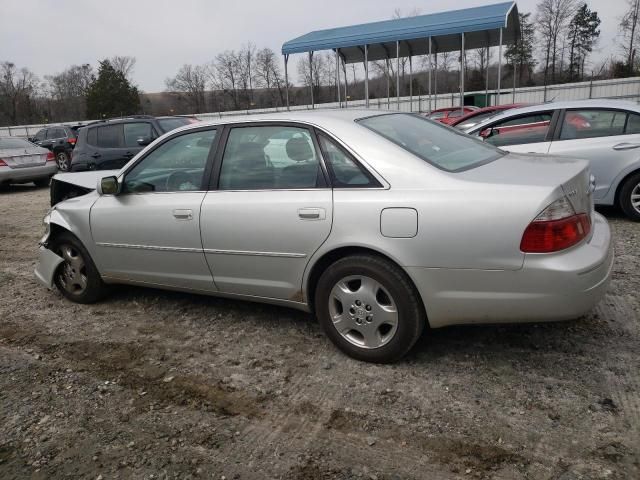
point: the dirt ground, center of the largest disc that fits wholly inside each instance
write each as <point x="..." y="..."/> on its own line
<point x="151" y="384"/>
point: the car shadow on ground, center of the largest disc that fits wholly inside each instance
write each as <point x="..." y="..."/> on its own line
<point x="19" y="188"/>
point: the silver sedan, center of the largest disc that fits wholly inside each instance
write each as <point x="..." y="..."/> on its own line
<point x="380" y="224"/>
<point x="22" y="162"/>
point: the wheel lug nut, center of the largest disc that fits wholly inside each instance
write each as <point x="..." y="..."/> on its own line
<point x="368" y="307"/>
<point x="358" y="302"/>
<point x="369" y="318"/>
<point x="352" y="311"/>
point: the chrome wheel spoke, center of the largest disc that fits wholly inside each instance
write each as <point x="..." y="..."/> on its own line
<point x="72" y="275"/>
<point x="635" y="198"/>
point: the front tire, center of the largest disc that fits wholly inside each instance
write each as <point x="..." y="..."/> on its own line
<point x="629" y="198"/>
<point x="77" y="277"/>
<point x="369" y="308"/>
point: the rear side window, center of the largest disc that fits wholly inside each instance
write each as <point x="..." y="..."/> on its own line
<point x="92" y="136"/>
<point x="41" y="135"/>
<point x="110" y="136"/>
<point x="134" y="131"/>
<point x="344" y="170"/>
<point x="532" y="128"/>
<point x="55" y="133"/>
<point x="592" y="123"/>
<point x="633" y="124"/>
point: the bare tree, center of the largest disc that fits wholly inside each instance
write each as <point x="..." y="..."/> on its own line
<point x="268" y="75"/>
<point x="17" y="86"/>
<point x="322" y="69"/>
<point x="553" y="17"/>
<point x="191" y="80"/>
<point x="224" y="73"/>
<point x="69" y="89"/>
<point x="245" y="72"/>
<point x="630" y="33"/>
<point x="123" y="64"/>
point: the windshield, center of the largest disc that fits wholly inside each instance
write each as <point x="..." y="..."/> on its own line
<point x="437" y="144"/>
<point x="168" y="124"/>
<point x="6" y="143"/>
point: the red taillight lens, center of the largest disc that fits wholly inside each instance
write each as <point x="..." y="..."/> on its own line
<point x="3" y="163"/>
<point x="51" y="157"/>
<point x="556" y="228"/>
<point x="71" y="140"/>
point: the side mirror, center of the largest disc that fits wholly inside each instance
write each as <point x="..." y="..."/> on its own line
<point x="488" y="132"/>
<point x="144" y="141"/>
<point x="108" y="186"/>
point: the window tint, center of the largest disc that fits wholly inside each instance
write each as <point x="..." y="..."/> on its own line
<point x="175" y="166"/>
<point x="444" y="147"/>
<point x="134" y="131"/>
<point x="168" y="124"/>
<point x="92" y="136"/>
<point x="344" y="170"/>
<point x="520" y="130"/>
<point x="40" y="135"/>
<point x="476" y="119"/>
<point x="110" y="136"/>
<point x="265" y="158"/>
<point x="592" y="123"/>
<point x="436" y="115"/>
<point x="633" y="124"/>
<point x="55" y="133"/>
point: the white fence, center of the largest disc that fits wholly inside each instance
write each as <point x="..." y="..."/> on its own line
<point x="623" y="88"/>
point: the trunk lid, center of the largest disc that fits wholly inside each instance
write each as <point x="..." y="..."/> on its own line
<point x="24" y="157"/>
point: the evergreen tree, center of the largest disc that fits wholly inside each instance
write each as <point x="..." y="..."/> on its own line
<point x="520" y="53"/>
<point x="111" y="94"/>
<point x="583" y="34"/>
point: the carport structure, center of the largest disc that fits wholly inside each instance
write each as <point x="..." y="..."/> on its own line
<point x="455" y="30"/>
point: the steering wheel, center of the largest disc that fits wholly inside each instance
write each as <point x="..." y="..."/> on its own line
<point x="176" y="179"/>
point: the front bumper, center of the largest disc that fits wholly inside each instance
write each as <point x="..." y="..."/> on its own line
<point x="27" y="174"/>
<point x="46" y="268"/>
<point x="549" y="287"/>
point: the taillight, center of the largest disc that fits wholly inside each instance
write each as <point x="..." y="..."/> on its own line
<point x="3" y="163"/>
<point x="51" y="157"/>
<point x="71" y="140"/>
<point x="556" y="228"/>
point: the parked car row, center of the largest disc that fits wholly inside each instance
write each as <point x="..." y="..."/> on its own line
<point x="378" y="222"/>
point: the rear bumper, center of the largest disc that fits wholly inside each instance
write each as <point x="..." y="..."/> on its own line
<point x="549" y="286"/>
<point x="27" y="174"/>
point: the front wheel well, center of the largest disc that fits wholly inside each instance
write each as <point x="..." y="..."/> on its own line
<point x="334" y="255"/>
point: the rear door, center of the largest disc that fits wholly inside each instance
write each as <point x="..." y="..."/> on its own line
<point x="608" y="138"/>
<point x="271" y="209"/>
<point x="526" y="133"/>
<point x="150" y="232"/>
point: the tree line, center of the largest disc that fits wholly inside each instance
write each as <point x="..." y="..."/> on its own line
<point x="555" y="45"/>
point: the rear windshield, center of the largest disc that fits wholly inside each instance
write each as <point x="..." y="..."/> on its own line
<point x="6" y="143"/>
<point x="437" y="144"/>
<point x="168" y="124"/>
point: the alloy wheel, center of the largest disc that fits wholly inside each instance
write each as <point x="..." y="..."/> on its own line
<point x="72" y="272"/>
<point x="635" y="198"/>
<point x="363" y="311"/>
<point x="63" y="161"/>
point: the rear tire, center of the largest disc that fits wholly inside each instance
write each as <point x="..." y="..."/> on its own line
<point x="369" y="308"/>
<point x="42" y="182"/>
<point x="77" y="277"/>
<point x="629" y="197"/>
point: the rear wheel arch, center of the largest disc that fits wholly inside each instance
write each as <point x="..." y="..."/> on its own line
<point x="621" y="184"/>
<point x="332" y="256"/>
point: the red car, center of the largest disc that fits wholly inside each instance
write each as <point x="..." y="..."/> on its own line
<point x="449" y="115"/>
<point x="473" y="118"/>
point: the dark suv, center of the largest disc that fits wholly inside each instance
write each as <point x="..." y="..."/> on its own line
<point x="110" y="144"/>
<point x="60" y="140"/>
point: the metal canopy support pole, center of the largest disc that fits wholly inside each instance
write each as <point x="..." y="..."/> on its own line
<point x="486" y="81"/>
<point x="366" y="75"/>
<point x="311" y="77"/>
<point x="429" y="77"/>
<point x="462" y="72"/>
<point x="286" y="77"/>
<point x="435" y="78"/>
<point x="398" y="74"/>
<point x="410" y="82"/>
<point x="513" y="100"/>
<point x="499" y="67"/>
<point x="344" y="70"/>
<point x="338" y="77"/>
<point x="386" y="63"/>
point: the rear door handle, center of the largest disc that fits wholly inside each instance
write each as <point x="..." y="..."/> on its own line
<point x="183" y="214"/>
<point x="311" y="213"/>
<point x="626" y="146"/>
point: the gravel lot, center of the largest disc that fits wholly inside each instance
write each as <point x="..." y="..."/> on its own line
<point x="151" y="384"/>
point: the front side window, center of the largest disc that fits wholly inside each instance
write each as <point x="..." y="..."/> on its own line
<point x="134" y="131"/>
<point x="531" y="128"/>
<point x="441" y="146"/>
<point x="177" y="165"/>
<point x="269" y="157"/>
<point x="590" y="123"/>
<point x="110" y="136"/>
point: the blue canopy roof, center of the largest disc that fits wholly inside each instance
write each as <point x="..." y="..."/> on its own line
<point x="479" y="24"/>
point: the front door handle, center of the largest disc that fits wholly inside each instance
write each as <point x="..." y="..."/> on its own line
<point x="626" y="146"/>
<point x="183" y="214"/>
<point x="311" y="213"/>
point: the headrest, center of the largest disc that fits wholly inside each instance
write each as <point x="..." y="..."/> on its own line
<point x="299" y="150"/>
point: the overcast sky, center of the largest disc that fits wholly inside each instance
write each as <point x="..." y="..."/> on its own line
<point x="47" y="36"/>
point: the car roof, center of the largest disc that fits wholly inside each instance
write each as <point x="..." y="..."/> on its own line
<point x="543" y="107"/>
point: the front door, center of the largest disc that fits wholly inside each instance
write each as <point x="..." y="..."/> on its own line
<point x="271" y="211"/>
<point x="527" y="133"/>
<point x="150" y="232"/>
